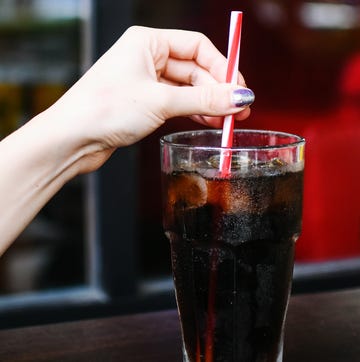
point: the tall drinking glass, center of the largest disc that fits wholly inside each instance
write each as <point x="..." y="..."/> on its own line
<point x="232" y="240"/>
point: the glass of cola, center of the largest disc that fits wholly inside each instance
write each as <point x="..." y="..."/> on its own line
<point x="232" y="239"/>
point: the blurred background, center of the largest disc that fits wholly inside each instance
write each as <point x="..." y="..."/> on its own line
<point x="98" y="247"/>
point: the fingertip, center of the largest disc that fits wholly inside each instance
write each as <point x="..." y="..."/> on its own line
<point x="213" y="122"/>
<point x="242" y="115"/>
<point x="242" y="97"/>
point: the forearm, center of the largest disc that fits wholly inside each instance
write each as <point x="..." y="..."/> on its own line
<point x="35" y="162"/>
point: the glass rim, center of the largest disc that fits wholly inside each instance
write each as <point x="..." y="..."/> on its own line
<point x="298" y="140"/>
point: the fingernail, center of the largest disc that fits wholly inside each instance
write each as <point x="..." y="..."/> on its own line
<point x="242" y="97"/>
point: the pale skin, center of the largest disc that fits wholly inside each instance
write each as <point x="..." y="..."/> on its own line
<point x="147" y="77"/>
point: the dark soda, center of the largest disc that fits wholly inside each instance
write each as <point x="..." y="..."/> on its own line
<point x="232" y="249"/>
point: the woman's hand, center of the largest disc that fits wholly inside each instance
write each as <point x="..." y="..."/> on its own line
<point x="147" y="77"/>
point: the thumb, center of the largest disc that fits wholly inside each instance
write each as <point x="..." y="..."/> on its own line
<point x="207" y="100"/>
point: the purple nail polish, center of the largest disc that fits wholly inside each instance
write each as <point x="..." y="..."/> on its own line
<point x="242" y="97"/>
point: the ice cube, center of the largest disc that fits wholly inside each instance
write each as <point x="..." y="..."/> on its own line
<point x="278" y="162"/>
<point x="187" y="188"/>
<point x="228" y="195"/>
<point x="239" y="162"/>
<point x="241" y="195"/>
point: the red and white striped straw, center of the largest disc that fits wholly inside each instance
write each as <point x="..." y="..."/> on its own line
<point x="231" y="77"/>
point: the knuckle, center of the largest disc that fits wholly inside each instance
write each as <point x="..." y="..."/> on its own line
<point x="208" y="100"/>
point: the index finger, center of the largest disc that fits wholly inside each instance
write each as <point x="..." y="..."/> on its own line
<point x="190" y="45"/>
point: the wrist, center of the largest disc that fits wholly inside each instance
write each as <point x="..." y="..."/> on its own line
<point x="36" y="163"/>
<point x="71" y="128"/>
<point x="53" y="150"/>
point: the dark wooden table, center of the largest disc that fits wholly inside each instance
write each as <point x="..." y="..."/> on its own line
<point x="320" y="327"/>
